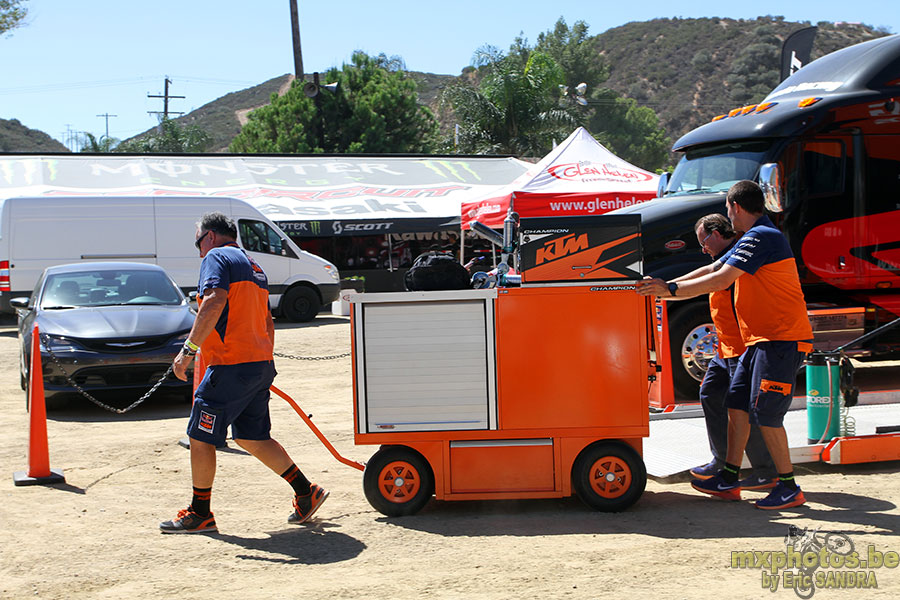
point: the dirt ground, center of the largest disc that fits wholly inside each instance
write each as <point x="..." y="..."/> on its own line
<point x="96" y="536"/>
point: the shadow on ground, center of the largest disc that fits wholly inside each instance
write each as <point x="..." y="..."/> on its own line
<point x="661" y="514"/>
<point x="304" y="545"/>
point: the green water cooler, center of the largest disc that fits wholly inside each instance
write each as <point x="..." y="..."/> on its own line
<point x="823" y="396"/>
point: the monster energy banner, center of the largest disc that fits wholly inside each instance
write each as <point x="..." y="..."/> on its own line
<point x="306" y="195"/>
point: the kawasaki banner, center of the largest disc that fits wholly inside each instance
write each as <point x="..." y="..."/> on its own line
<point x="306" y="195"/>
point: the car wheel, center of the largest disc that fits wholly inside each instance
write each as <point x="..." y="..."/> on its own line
<point x="398" y="481"/>
<point x="300" y="304"/>
<point x="692" y="344"/>
<point x="609" y="476"/>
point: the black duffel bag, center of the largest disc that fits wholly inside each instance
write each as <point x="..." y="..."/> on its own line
<point x="436" y="271"/>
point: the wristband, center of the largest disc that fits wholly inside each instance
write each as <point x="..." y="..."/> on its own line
<point x="191" y="345"/>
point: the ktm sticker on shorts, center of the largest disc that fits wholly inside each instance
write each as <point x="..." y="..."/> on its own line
<point x="207" y="422"/>
<point x="775" y="386"/>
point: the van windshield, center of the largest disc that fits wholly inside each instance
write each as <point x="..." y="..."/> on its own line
<point x="716" y="168"/>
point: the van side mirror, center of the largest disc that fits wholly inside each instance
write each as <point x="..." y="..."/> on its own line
<point x="663" y="184"/>
<point x="770" y="183"/>
<point x="18" y="302"/>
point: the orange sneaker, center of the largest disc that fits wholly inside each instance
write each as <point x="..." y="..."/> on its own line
<point x="187" y="521"/>
<point x="306" y="506"/>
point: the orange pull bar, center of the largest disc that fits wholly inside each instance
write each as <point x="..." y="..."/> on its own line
<point x="315" y="430"/>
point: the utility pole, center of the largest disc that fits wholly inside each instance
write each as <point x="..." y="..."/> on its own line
<point x="165" y="111"/>
<point x="295" y="34"/>
<point x="69" y="142"/>
<point x="107" y="116"/>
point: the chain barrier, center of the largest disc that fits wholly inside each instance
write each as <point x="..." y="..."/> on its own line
<point x="295" y="357"/>
<point x="155" y="387"/>
<point x="81" y="391"/>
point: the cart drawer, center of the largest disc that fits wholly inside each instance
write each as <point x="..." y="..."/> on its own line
<point x="501" y="466"/>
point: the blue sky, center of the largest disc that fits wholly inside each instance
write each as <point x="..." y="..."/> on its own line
<point x="74" y="60"/>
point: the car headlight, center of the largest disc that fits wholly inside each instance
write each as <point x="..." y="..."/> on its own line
<point x="58" y="343"/>
<point x="332" y="270"/>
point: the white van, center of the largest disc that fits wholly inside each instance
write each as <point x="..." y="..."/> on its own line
<point x="39" y="232"/>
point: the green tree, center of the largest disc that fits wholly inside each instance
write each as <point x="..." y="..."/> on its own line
<point x="11" y="14"/>
<point x="574" y="52"/>
<point x="630" y="131"/>
<point x="514" y="110"/>
<point x="102" y="145"/>
<point x="374" y="109"/>
<point x="170" y="137"/>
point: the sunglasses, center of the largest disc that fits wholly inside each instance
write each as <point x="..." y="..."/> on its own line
<point x="200" y="239"/>
<point x="702" y="243"/>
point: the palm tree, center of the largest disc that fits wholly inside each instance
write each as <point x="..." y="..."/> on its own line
<point x="514" y="110"/>
<point x="104" y="144"/>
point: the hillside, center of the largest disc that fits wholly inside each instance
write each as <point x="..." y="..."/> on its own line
<point x="219" y="118"/>
<point x="688" y="70"/>
<point x="15" y="137"/>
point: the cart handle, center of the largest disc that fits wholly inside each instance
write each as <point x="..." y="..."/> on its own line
<point x="315" y="430"/>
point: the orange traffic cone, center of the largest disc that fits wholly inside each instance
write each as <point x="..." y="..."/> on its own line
<point x="39" y="471"/>
<point x="662" y="391"/>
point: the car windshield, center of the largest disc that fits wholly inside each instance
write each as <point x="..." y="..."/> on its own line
<point x="717" y="168"/>
<point x="109" y="287"/>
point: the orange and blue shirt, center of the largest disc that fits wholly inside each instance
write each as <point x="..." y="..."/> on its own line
<point x="721" y="308"/>
<point x="241" y="333"/>
<point x="767" y="298"/>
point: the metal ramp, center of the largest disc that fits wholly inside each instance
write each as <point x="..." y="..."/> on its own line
<point x="678" y="444"/>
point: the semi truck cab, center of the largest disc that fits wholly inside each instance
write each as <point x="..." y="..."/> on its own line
<point x="825" y="147"/>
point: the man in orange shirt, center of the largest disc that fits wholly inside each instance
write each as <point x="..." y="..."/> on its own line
<point x="771" y="314"/>
<point x="716" y="237"/>
<point x="235" y="331"/>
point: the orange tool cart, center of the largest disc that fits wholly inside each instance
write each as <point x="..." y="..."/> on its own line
<point x="536" y="391"/>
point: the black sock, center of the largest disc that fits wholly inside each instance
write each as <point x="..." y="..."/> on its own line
<point x="200" y="501"/>
<point x="297" y="480"/>
<point x="788" y="480"/>
<point x="730" y="472"/>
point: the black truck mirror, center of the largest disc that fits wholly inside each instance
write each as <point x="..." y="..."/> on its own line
<point x="770" y="182"/>
<point x="663" y="184"/>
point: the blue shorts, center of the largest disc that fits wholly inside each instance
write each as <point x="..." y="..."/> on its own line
<point x="763" y="381"/>
<point x="236" y="395"/>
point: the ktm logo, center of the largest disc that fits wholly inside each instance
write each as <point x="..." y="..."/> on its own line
<point x="775" y="386"/>
<point x="561" y="247"/>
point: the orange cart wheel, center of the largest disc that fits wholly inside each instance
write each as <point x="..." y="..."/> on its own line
<point x="609" y="476"/>
<point x="398" y="481"/>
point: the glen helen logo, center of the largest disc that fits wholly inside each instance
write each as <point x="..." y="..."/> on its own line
<point x="588" y="171"/>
